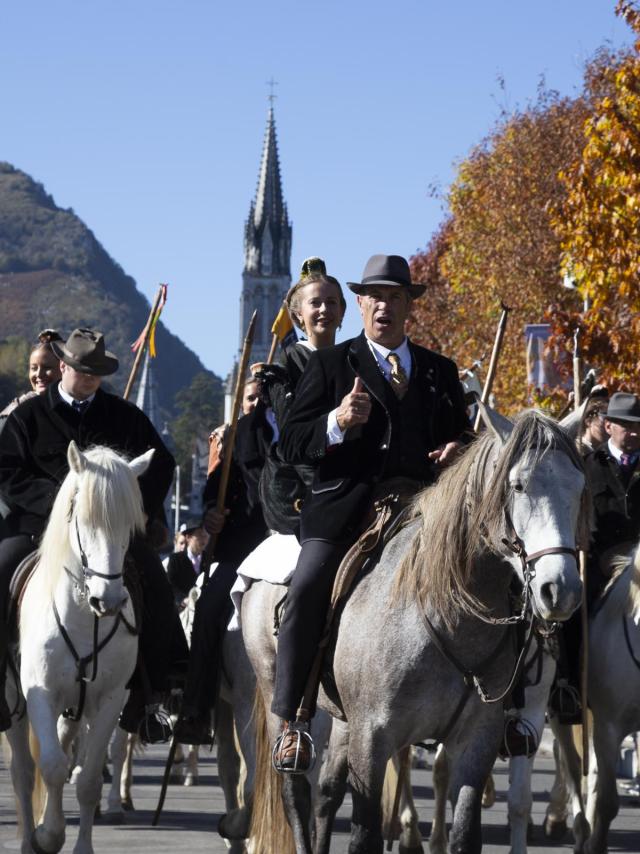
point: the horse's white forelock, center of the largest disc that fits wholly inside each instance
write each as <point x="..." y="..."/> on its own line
<point x="105" y="497"/>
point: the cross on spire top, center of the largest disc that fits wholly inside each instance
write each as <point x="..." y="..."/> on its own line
<point x="272" y="96"/>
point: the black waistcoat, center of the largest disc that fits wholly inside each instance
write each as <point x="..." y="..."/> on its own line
<point x="410" y="424"/>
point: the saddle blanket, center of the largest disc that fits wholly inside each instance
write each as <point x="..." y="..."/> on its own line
<point x="273" y="560"/>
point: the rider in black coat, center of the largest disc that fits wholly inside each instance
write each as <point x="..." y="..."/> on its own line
<point x="33" y="464"/>
<point x="371" y="409"/>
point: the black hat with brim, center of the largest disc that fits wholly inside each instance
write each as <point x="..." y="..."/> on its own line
<point x="190" y="526"/>
<point x="84" y="351"/>
<point x="387" y="271"/>
<point x="623" y="407"/>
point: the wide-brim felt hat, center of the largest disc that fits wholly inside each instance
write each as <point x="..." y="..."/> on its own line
<point x="84" y="351"/>
<point x="623" y="407"/>
<point x="389" y="271"/>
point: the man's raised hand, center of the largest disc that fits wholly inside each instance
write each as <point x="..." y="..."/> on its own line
<point x="355" y="407"/>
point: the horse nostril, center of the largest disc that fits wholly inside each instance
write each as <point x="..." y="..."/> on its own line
<point x="95" y="603"/>
<point x="549" y="594"/>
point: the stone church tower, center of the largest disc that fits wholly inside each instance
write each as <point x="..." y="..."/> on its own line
<point x="266" y="276"/>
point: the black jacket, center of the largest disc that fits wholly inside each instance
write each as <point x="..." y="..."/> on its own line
<point x="389" y="444"/>
<point x="616" y="502"/>
<point x="181" y="575"/>
<point x="33" y="452"/>
<point x="245" y="528"/>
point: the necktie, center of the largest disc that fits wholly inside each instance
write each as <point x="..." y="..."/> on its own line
<point x="628" y="461"/>
<point x="399" y="379"/>
<point x="80" y="406"/>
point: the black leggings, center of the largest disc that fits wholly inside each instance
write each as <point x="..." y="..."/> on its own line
<point x="303" y="622"/>
<point x="12" y="551"/>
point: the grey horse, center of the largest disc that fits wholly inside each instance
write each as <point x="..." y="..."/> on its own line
<point x="424" y="647"/>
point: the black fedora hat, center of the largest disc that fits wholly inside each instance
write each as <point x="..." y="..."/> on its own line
<point x="84" y="351"/>
<point x="623" y="407"/>
<point x="190" y="525"/>
<point x="390" y="271"/>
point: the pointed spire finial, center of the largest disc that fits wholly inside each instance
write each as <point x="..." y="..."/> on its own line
<point x="272" y="96"/>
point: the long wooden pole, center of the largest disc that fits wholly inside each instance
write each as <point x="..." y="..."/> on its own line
<point x="493" y="364"/>
<point x="229" y="441"/>
<point x="577" y="370"/>
<point x="143" y="346"/>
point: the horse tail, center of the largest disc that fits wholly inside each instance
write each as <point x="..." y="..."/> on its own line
<point x="39" y="794"/>
<point x="269" y="830"/>
<point x="389" y="789"/>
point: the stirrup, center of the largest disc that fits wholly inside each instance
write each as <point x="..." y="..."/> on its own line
<point x="520" y="738"/>
<point x="302" y="748"/>
<point x="565" y="702"/>
<point x="155" y="727"/>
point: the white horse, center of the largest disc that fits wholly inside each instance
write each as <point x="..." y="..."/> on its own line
<point x="78" y="639"/>
<point x="614" y="694"/>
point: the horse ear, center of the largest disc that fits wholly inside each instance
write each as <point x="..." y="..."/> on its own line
<point x="571" y="422"/>
<point x="140" y="464"/>
<point x="500" y="426"/>
<point x="76" y="459"/>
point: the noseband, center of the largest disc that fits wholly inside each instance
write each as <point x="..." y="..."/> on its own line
<point x="87" y="572"/>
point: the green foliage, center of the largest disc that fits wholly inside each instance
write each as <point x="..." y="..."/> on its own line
<point x="201" y="408"/>
<point x="14" y="364"/>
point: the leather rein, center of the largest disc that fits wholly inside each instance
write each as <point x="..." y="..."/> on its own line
<point x="83" y="662"/>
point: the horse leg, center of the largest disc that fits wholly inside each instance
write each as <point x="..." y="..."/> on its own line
<point x="410" y="838"/>
<point x="114" y="814"/>
<point x="571" y="776"/>
<point x="191" y="766"/>
<point x="367" y="755"/>
<point x="48" y="836"/>
<point x="228" y="772"/>
<point x="519" y="800"/>
<point x="126" y="778"/>
<point x="606" y="742"/>
<point x="332" y="785"/>
<point x="89" y="785"/>
<point x="438" y="840"/>
<point x="555" y="820"/>
<point x="470" y="762"/>
<point x="22" y="777"/>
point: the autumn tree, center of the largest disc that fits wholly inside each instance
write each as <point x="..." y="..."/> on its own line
<point x="599" y="220"/>
<point x="498" y="242"/>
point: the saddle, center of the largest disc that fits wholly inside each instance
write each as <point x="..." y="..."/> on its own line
<point x="390" y="511"/>
<point x="17" y="586"/>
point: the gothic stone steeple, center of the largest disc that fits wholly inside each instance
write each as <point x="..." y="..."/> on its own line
<point x="267" y="249"/>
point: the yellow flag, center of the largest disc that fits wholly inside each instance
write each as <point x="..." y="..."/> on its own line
<point x="282" y="325"/>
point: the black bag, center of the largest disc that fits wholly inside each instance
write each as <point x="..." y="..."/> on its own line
<point x="282" y="490"/>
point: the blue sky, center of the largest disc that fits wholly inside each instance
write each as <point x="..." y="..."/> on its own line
<point x="147" y="117"/>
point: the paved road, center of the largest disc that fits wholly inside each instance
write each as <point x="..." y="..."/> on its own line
<point x="189" y="822"/>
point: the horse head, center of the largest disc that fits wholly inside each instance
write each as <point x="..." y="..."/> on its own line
<point x="542" y="495"/>
<point x="106" y="511"/>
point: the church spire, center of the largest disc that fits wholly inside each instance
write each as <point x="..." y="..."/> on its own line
<point x="267" y="235"/>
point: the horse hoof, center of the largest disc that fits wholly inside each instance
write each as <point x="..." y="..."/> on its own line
<point x="127" y="805"/>
<point x="231" y="829"/>
<point x="39" y="849"/>
<point x="555" y="830"/>
<point x="111" y="818"/>
<point x="190" y="780"/>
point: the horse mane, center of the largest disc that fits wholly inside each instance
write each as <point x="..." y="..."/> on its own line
<point x="105" y="496"/>
<point x="461" y="516"/>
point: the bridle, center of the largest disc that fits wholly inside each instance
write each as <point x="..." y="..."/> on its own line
<point x="473" y="678"/>
<point x="83" y="662"/>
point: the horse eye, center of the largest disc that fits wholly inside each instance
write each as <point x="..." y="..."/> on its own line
<point x="518" y="487"/>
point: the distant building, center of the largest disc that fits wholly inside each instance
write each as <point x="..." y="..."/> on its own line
<point x="266" y="276"/>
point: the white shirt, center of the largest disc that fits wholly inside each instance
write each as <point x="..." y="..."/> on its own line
<point x="335" y="436"/>
<point x="70" y="400"/>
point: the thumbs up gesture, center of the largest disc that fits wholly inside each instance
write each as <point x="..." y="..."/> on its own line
<point x="355" y="407"/>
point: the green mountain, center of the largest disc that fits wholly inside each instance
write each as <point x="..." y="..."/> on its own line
<point x="54" y="273"/>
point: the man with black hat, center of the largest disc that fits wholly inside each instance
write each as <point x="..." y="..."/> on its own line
<point x="368" y="410"/>
<point x="33" y="464"/>
<point x="183" y="567"/>
<point x="614" y="477"/>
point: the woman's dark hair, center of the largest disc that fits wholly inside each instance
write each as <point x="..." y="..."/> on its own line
<point x="45" y="339"/>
